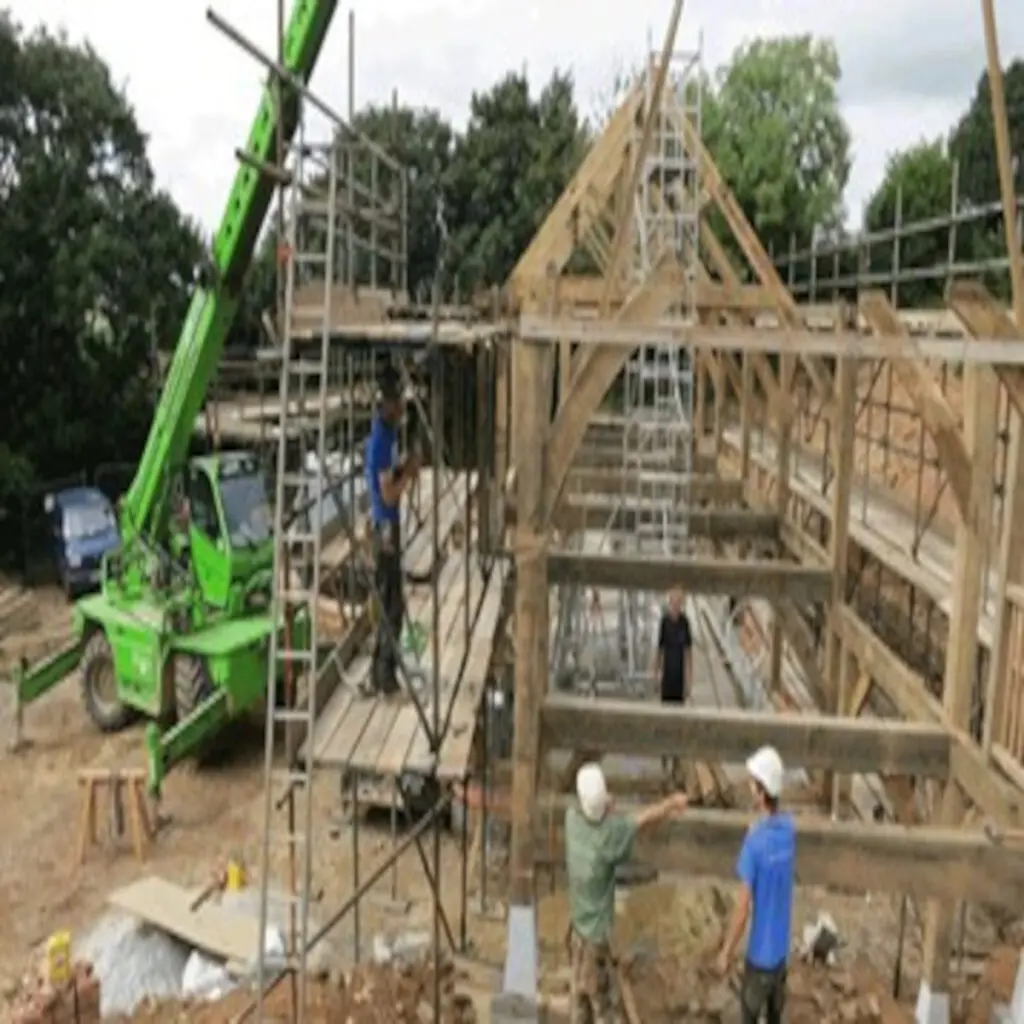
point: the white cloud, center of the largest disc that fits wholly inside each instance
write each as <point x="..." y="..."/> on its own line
<point x="910" y="65"/>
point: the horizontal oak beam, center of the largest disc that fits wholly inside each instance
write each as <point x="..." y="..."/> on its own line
<point x="600" y="512"/>
<point x="766" y="340"/>
<point x="847" y="745"/>
<point x="742" y="578"/>
<point x="677" y="486"/>
<point x="922" y="861"/>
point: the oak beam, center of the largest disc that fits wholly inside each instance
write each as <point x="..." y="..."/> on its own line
<point x="920" y="861"/>
<point x="847" y="745"/>
<point x="770" y="580"/>
<point x="602" y="512"/>
<point x="533" y="364"/>
<point x="699" y="488"/>
<point x="843" y="442"/>
<point x="586" y="334"/>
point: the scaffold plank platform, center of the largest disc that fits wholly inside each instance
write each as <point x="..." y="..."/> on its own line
<point x="385" y="737"/>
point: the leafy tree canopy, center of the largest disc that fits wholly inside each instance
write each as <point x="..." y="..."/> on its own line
<point x="95" y="262"/>
<point x="774" y="127"/>
<point x="972" y="141"/>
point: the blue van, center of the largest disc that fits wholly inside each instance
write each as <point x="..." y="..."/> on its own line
<point x="83" y="529"/>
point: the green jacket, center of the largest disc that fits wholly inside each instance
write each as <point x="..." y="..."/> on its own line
<point x="592" y="853"/>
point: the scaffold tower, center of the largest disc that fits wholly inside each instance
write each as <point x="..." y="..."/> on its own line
<point x="605" y="637"/>
<point x="658" y="438"/>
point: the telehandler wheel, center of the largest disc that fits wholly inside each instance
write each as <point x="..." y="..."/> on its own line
<point x="191" y="684"/>
<point x="99" y="685"/>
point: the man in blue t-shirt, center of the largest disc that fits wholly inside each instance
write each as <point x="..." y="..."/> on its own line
<point x="766" y="869"/>
<point x="386" y="481"/>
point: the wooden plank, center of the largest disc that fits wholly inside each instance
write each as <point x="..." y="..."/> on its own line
<point x="921" y="861"/>
<point x="328" y="722"/>
<point x="337" y="750"/>
<point x="395" y="748"/>
<point x="740" y="578"/>
<point x="811" y="741"/>
<point x="223" y="933"/>
<point x="453" y="762"/>
<point x="711" y="489"/>
<point x="607" y="512"/>
<point x="419" y="558"/>
<point x="367" y="752"/>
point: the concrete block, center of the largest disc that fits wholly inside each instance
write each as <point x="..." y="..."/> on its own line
<point x="932" y="1007"/>
<point x="514" y="1008"/>
<point x="521" y="958"/>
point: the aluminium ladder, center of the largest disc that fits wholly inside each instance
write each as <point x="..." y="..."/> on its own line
<point x="294" y="665"/>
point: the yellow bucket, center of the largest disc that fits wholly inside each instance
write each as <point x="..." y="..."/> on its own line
<point x="58" y="958"/>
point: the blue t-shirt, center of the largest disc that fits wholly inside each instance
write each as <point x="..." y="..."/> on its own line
<point x="381" y="456"/>
<point x="767" y="865"/>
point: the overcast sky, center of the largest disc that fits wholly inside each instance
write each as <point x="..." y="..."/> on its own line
<point x="909" y="66"/>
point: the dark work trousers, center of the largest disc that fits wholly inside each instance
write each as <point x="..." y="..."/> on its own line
<point x="763" y="995"/>
<point x="388" y="576"/>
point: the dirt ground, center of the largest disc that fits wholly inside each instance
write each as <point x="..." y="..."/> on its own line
<point x="665" y="933"/>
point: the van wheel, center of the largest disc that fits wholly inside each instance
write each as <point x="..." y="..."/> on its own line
<point x="99" y="685"/>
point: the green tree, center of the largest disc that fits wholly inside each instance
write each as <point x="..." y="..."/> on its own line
<point x="972" y="145"/>
<point x="972" y="141"/>
<point x="95" y="262"/>
<point x="916" y="186"/>
<point x="774" y="128"/>
<point x="515" y="158"/>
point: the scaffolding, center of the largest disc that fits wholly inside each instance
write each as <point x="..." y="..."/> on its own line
<point x="332" y="344"/>
<point x="658" y="440"/>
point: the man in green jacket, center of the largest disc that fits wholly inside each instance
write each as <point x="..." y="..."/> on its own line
<point x="597" y="841"/>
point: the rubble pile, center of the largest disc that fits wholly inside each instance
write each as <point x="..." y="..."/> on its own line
<point x="75" y="1001"/>
<point x="388" y="993"/>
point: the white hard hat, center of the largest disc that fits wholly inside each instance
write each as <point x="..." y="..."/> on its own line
<point x="765" y="767"/>
<point x="592" y="792"/>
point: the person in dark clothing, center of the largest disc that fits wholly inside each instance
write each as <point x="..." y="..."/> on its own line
<point x="387" y="480"/>
<point x="673" y="661"/>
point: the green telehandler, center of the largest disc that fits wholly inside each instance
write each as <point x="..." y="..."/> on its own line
<point x="180" y="630"/>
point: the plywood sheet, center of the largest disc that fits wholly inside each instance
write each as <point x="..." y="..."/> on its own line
<point x="223" y="933"/>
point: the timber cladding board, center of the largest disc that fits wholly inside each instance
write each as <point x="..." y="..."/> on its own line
<point x="810" y="741"/>
<point x="921" y="861"/>
<point x="741" y="578"/>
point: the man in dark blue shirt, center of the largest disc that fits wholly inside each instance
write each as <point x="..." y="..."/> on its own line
<point x="386" y="481"/>
<point x="766" y="868"/>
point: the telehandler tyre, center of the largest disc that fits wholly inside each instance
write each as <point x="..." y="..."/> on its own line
<point x="191" y="684"/>
<point x="99" y="685"/>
